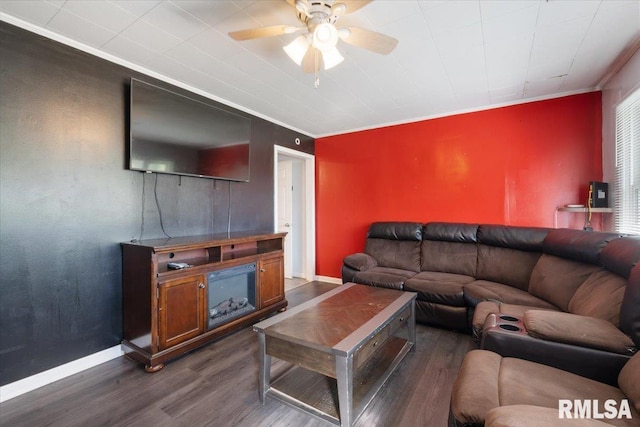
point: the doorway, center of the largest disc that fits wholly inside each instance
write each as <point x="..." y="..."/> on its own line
<point x="294" y="209"/>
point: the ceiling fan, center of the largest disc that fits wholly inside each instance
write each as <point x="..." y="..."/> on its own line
<point x="317" y="46"/>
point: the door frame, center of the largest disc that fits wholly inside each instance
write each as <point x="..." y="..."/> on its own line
<point x="308" y="229"/>
<point x="292" y="228"/>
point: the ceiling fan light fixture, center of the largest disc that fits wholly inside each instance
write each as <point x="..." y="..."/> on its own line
<point x="325" y="36"/>
<point x="317" y="48"/>
<point x="331" y="57"/>
<point x="344" y="33"/>
<point x="338" y="9"/>
<point x="297" y="49"/>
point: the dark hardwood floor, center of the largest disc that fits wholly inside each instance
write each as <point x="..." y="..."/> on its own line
<point x="217" y="386"/>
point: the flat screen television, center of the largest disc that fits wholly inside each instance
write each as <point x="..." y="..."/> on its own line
<point x="175" y="134"/>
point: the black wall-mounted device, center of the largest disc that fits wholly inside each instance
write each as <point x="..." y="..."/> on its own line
<point x="598" y="194"/>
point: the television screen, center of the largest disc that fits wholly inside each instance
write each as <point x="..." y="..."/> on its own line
<point x="175" y="134"/>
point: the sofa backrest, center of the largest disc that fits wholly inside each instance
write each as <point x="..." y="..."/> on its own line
<point x="569" y="258"/>
<point x="578" y="245"/>
<point x="627" y="249"/>
<point x="508" y="254"/>
<point x="602" y="294"/>
<point x="599" y="296"/>
<point x="395" y="244"/>
<point x="621" y="255"/>
<point x="449" y="248"/>
<point x="629" y="312"/>
<point x="629" y="381"/>
<point x="556" y="279"/>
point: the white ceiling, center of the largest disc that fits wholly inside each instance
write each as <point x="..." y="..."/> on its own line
<point x="452" y="56"/>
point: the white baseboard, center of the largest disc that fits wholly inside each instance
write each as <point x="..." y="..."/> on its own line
<point x="25" y="385"/>
<point x="329" y="279"/>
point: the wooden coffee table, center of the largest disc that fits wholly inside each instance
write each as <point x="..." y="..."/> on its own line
<point x="343" y="346"/>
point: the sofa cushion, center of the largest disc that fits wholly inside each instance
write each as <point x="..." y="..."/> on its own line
<point x="387" y="270"/>
<point x="360" y="261"/>
<point x="383" y="277"/>
<point x="436" y="276"/>
<point x="484" y="374"/>
<point x="395" y="231"/>
<point x="441" y="288"/>
<point x="577" y="330"/>
<point x="556" y="279"/>
<point x="629" y="313"/>
<point x="527" y="383"/>
<point x="450" y="232"/>
<point x="475" y="390"/>
<point x="482" y="290"/>
<point x="449" y="257"/>
<point x="402" y="254"/>
<point x="534" y="416"/>
<point x="600" y="296"/>
<point x="629" y="381"/>
<point x="503" y="265"/>
<point x="621" y="255"/>
<point x="521" y="238"/>
<point x="380" y="280"/>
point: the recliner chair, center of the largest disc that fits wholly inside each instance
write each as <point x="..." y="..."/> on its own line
<point x="510" y="391"/>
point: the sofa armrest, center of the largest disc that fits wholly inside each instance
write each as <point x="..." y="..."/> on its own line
<point x="534" y="416"/>
<point x="475" y="390"/>
<point x="601" y="366"/>
<point x="360" y="261"/>
<point x="577" y="330"/>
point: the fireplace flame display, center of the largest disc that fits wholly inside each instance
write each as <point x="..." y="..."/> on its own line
<point x="227" y="306"/>
<point x="231" y="293"/>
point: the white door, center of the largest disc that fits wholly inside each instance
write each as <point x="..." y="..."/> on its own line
<point x="302" y="256"/>
<point x="285" y="212"/>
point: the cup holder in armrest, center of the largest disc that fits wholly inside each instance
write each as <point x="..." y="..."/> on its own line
<point x="501" y="331"/>
<point x="504" y="323"/>
<point x="507" y="327"/>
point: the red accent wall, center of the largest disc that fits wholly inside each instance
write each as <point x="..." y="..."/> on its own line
<point x="510" y="165"/>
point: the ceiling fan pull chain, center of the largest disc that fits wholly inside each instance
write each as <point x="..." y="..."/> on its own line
<point x="316" y="80"/>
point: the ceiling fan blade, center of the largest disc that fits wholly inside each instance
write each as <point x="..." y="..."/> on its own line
<point x="353" y="5"/>
<point x="255" y="33"/>
<point x="311" y="61"/>
<point x="371" y="40"/>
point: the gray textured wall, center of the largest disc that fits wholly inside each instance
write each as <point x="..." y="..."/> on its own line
<point x="67" y="200"/>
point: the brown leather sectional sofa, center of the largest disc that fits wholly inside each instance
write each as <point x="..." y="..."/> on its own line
<point x="494" y="390"/>
<point x="558" y="308"/>
<point x="568" y="299"/>
<point x="463" y="272"/>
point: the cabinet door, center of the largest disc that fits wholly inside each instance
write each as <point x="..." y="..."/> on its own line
<point x="271" y="280"/>
<point x="181" y="310"/>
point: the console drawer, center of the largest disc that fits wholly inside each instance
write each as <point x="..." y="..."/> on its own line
<point x="380" y="338"/>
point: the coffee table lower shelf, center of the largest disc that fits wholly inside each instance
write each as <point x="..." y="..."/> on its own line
<point x="317" y="394"/>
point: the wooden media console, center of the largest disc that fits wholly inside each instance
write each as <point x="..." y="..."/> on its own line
<point x="169" y="311"/>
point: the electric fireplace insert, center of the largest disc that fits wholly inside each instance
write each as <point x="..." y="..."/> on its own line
<point x="231" y="294"/>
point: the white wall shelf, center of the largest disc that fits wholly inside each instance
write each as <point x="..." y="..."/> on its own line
<point x="583" y="209"/>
